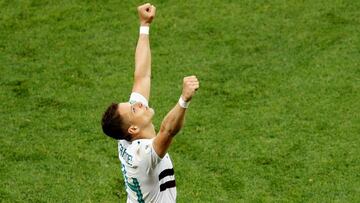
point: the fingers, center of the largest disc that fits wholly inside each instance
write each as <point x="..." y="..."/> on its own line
<point x="144" y="7"/>
<point x="190" y="85"/>
<point x="191" y="79"/>
<point x="146" y="14"/>
<point x="192" y="82"/>
<point x="152" y="10"/>
<point x="194" y="87"/>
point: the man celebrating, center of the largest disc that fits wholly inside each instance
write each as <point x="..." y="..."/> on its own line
<point x="146" y="166"/>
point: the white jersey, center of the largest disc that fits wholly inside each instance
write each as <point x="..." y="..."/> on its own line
<point x="148" y="178"/>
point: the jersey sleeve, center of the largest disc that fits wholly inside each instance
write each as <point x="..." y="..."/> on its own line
<point x="136" y="97"/>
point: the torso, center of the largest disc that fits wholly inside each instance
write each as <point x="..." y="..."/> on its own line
<point x="148" y="178"/>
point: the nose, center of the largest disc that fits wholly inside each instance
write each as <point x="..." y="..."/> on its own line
<point x="139" y="104"/>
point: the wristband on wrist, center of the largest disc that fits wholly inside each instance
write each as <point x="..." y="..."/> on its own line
<point x="144" y="30"/>
<point x="183" y="103"/>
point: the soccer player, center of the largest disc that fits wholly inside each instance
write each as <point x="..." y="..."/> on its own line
<point x="146" y="166"/>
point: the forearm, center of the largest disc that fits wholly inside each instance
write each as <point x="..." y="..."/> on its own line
<point x="142" y="53"/>
<point x="170" y="126"/>
<point x="143" y="58"/>
<point x="173" y="121"/>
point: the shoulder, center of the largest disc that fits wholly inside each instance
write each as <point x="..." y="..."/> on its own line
<point x="137" y="148"/>
<point x="142" y="145"/>
<point x="141" y="152"/>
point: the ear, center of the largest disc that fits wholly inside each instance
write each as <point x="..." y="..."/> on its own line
<point x="133" y="130"/>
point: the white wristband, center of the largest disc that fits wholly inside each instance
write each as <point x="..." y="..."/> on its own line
<point x="183" y="103"/>
<point x="144" y="30"/>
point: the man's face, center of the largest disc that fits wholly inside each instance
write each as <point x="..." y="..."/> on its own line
<point x="136" y="114"/>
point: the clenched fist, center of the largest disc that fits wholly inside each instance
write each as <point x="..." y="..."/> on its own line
<point x="146" y="14"/>
<point x="190" y="85"/>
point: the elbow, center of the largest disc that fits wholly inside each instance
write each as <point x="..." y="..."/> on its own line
<point x="141" y="74"/>
<point x="138" y="77"/>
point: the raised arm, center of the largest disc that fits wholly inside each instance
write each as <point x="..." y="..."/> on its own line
<point x="174" y="120"/>
<point x="142" y="74"/>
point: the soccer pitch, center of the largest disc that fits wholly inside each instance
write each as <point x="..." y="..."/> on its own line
<point x="277" y="117"/>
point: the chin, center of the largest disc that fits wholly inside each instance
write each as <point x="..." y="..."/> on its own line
<point x="152" y="112"/>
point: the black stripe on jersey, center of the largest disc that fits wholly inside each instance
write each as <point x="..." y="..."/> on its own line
<point x="167" y="185"/>
<point x="166" y="172"/>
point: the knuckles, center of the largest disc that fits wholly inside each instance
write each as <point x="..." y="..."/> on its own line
<point x="191" y="84"/>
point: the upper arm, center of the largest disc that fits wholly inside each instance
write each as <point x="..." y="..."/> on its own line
<point x="161" y="143"/>
<point x="142" y="86"/>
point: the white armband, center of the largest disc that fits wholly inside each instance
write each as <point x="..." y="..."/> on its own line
<point x="183" y="103"/>
<point x="144" y="30"/>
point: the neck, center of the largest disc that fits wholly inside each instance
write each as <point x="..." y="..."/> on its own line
<point x="145" y="133"/>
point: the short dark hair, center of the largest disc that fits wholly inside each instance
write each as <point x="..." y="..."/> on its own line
<point x="113" y="125"/>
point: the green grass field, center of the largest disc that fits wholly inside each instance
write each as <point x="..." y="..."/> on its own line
<point x="277" y="117"/>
